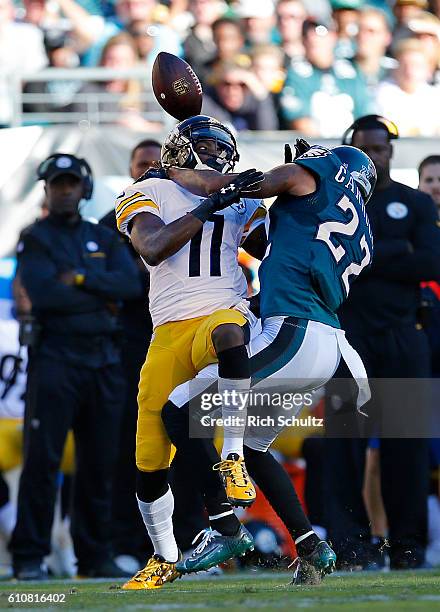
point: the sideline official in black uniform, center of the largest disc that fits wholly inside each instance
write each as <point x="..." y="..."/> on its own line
<point x="380" y="317"/>
<point x="75" y="272"/>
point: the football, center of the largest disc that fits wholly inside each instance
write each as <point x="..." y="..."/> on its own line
<point x="176" y="86"/>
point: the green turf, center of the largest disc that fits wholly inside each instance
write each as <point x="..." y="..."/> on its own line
<point x="392" y="591"/>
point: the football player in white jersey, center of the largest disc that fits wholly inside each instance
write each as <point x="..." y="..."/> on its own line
<point x="200" y="315"/>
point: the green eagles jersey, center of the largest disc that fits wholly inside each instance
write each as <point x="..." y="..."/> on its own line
<point x="318" y="244"/>
<point x="333" y="98"/>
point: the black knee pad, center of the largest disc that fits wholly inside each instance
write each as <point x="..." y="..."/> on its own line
<point x="234" y="363"/>
<point x="151" y="485"/>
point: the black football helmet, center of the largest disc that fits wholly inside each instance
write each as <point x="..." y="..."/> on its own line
<point x="179" y="146"/>
<point x="361" y="168"/>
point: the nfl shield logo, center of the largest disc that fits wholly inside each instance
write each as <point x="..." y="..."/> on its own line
<point x="181" y="86"/>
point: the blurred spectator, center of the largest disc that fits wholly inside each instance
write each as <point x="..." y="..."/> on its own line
<point x="404" y="10"/>
<point x="372" y="40"/>
<point x="35" y="12"/>
<point x="267" y="65"/>
<point x="21" y="51"/>
<point x="45" y="15"/>
<point x="199" y="46"/>
<point x="75" y="272"/>
<point x="141" y="32"/>
<point x="258" y="20"/>
<point x="321" y="95"/>
<point x="426" y="28"/>
<point x="429" y="177"/>
<point x="407" y="96"/>
<point x="61" y="54"/>
<point x="121" y="98"/>
<point x="229" y="39"/>
<point x="290" y="18"/>
<point x="346" y="16"/>
<point x="93" y="31"/>
<point x="238" y="98"/>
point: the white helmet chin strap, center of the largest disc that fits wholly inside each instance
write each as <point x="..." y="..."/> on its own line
<point x="204" y="166"/>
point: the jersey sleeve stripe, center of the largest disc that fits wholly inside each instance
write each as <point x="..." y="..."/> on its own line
<point x="129" y="206"/>
<point x="136" y="195"/>
<point x="134" y="208"/>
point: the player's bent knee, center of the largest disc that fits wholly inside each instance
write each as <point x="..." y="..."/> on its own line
<point x="151" y="485"/>
<point x="226" y="336"/>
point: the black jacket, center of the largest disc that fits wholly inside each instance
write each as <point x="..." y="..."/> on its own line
<point x="135" y="315"/>
<point x="406" y="251"/>
<point x="78" y="322"/>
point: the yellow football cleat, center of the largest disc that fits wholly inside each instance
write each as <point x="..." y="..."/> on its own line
<point x="239" y="489"/>
<point x="154" y="575"/>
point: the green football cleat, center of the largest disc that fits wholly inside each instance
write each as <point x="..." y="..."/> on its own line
<point x="214" y="548"/>
<point x="312" y="568"/>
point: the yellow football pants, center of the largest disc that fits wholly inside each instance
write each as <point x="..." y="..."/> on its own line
<point x="178" y="351"/>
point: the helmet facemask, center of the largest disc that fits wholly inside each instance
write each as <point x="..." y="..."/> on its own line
<point x="180" y="147"/>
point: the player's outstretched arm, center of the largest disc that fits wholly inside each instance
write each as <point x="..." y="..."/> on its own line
<point x="155" y="241"/>
<point x="288" y="178"/>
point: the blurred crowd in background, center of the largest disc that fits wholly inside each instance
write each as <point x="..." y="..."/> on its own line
<point x="312" y="66"/>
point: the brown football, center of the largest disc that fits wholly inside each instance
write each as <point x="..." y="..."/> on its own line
<point x="176" y="86"/>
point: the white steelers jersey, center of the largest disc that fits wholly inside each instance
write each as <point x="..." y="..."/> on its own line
<point x="204" y="275"/>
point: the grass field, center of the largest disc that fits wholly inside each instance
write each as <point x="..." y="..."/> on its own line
<point x="238" y="592"/>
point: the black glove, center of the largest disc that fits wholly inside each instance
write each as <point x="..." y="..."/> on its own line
<point x="154" y="172"/>
<point x="247" y="181"/>
<point x="301" y="146"/>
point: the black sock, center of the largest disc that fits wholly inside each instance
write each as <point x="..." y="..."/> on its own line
<point x="279" y="491"/>
<point x="200" y="455"/>
<point x="218" y="506"/>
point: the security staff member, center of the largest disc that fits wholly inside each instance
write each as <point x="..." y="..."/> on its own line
<point x="380" y="319"/>
<point x="75" y="272"/>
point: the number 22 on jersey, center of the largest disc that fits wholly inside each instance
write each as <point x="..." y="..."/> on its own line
<point x="331" y="229"/>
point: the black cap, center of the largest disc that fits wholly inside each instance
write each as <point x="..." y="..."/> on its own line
<point x="62" y="164"/>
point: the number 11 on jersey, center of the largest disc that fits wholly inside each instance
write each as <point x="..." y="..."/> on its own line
<point x="214" y="251"/>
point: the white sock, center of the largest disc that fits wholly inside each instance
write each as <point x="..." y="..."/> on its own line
<point x="158" y="519"/>
<point x="234" y="406"/>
